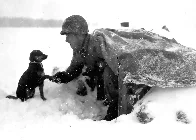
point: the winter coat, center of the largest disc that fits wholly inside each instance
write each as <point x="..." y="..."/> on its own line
<point x="90" y="56"/>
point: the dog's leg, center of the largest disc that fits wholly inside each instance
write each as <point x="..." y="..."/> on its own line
<point x="41" y="87"/>
<point x="31" y="94"/>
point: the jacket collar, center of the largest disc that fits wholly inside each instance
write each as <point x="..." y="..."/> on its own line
<point x="83" y="52"/>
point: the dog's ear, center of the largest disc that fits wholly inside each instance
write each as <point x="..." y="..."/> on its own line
<point x="33" y="54"/>
<point x="31" y="57"/>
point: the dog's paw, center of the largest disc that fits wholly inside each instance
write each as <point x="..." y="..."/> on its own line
<point x="43" y="98"/>
<point x="48" y="77"/>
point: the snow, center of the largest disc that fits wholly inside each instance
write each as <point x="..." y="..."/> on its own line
<point x="66" y="115"/>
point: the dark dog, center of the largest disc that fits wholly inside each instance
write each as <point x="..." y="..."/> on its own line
<point x="33" y="77"/>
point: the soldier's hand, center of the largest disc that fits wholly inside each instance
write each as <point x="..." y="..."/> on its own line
<point x="56" y="78"/>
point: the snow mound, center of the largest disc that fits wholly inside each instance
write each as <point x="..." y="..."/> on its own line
<point x="61" y="100"/>
<point x="167" y="104"/>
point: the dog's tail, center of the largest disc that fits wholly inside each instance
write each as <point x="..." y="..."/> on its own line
<point x="11" y="97"/>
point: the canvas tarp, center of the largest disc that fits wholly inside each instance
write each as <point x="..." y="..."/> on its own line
<point x="148" y="58"/>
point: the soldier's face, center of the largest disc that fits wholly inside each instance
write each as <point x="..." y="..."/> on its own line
<point x="72" y="40"/>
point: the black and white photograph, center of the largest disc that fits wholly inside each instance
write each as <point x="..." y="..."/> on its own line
<point x="106" y="69"/>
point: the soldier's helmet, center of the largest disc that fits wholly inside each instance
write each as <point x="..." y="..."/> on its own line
<point x="75" y="24"/>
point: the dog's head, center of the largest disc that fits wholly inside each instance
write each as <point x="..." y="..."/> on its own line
<point x="37" y="56"/>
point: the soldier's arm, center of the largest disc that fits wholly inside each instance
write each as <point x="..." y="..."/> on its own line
<point x="72" y="72"/>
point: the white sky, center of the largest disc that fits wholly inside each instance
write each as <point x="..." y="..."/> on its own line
<point x="157" y="12"/>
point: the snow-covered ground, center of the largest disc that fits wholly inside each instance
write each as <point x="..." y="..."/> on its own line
<point x="168" y="113"/>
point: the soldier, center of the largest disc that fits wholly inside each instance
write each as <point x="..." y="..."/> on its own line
<point x="87" y="52"/>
